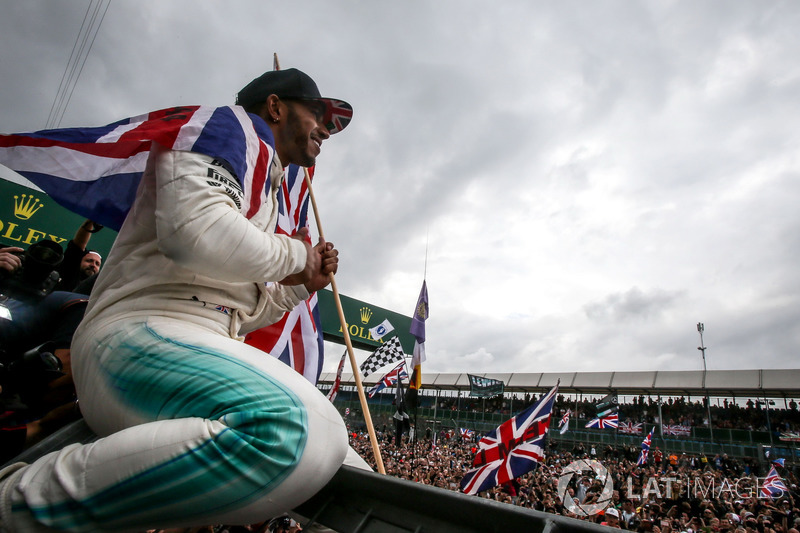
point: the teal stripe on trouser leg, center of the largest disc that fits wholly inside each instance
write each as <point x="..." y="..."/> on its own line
<point x="229" y="434"/>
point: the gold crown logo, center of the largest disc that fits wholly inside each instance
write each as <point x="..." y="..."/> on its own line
<point x="25" y="209"/>
<point x="366" y="314"/>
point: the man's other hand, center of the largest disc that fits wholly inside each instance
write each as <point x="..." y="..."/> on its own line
<point x="8" y="260"/>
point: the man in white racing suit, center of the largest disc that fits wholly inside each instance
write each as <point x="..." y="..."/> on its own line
<point x="197" y="427"/>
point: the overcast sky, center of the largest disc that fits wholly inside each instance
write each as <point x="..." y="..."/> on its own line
<point x="588" y="180"/>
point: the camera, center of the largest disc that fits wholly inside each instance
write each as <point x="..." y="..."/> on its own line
<point x="24" y="380"/>
<point x="37" y="277"/>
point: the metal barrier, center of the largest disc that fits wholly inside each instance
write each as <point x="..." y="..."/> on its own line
<point x="357" y="501"/>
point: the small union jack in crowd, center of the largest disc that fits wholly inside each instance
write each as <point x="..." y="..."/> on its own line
<point x="466" y="433"/>
<point x="773" y="486"/>
<point x="630" y="428"/>
<point x="645" y="448"/>
<point x="511" y="450"/>
<point x="390" y="379"/>
<point x="604" y="422"/>
<point x="564" y="424"/>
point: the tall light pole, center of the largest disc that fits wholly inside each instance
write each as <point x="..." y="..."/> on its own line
<point x="702" y="348"/>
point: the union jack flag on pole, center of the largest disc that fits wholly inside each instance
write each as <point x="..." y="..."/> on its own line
<point x="773" y="486"/>
<point x="564" y="424"/>
<point x="338" y="381"/>
<point x="604" y="422"/>
<point x="296" y="339"/>
<point x="648" y="440"/>
<point x="390" y="379"/>
<point x="513" y="449"/>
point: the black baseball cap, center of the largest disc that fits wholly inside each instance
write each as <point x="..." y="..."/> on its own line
<point x="293" y="84"/>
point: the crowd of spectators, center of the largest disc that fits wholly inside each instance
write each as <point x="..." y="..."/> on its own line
<point x="676" y="493"/>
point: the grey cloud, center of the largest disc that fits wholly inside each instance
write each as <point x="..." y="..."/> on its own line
<point x="634" y="304"/>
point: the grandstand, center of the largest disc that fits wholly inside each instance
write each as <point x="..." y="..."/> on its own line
<point x="445" y="398"/>
<point x="778" y="383"/>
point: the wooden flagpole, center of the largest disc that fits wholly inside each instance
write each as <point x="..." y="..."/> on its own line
<point x="356" y="374"/>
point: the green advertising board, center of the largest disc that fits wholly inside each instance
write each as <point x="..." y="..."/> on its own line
<point x="360" y="317"/>
<point x="28" y="215"/>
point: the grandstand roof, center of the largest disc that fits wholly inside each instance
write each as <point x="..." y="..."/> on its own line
<point x="719" y="383"/>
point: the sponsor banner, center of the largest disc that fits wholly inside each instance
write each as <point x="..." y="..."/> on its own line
<point x="484" y="387"/>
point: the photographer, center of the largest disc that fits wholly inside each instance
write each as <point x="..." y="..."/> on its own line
<point x="283" y="524"/>
<point x="36" y="328"/>
<point x="79" y="263"/>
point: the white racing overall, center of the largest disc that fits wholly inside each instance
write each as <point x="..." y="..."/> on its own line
<point x="197" y="427"/>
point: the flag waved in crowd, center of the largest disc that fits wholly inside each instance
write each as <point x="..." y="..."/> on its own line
<point x="773" y="486"/>
<point x="379" y="331"/>
<point x="564" y="424"/>
<point x="390" y="379"/>
<point x="630" y="428"/>
<point x="417" y="329"/>
<point x="676" y="429"/>
<point x="388" y="353"/>
<point x="516" y="447"/>
<point x="466" y="433"/>
<point x="338" y="381"/>
<point x="648" y="440"/>
<point x="604" y="422"/>
<point x="482" y="387"/>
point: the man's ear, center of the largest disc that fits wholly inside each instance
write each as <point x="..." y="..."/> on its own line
<point x="272" y="109"/>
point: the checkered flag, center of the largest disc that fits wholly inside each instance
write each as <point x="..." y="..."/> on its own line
<point x="389" y="353"/>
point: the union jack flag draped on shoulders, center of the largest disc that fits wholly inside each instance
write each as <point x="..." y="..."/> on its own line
<point x="604" y="422"/>
<point x="296" y="339"/>
<point x="773" y="486"/>
<point x="648" y="440"/>
<point x="513" y="449"/>
<point x="95" y="173"/>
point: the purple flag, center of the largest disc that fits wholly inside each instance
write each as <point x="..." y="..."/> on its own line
<point x="420" y="315"/>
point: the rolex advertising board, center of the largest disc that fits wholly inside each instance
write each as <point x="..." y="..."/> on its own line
<point x="360" y="317"/>
<point x="28" y="215"/>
